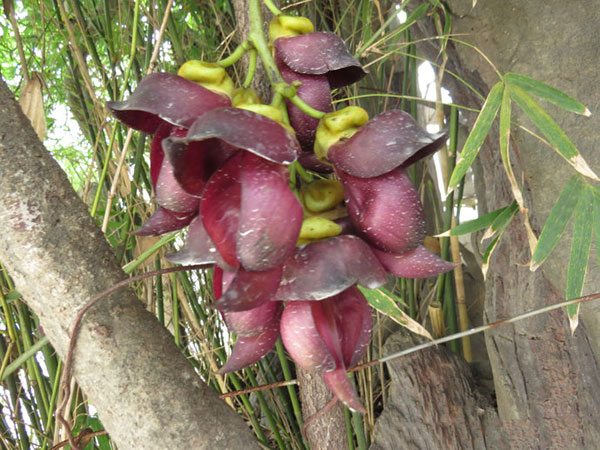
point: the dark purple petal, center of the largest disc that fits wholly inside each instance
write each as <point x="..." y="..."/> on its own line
<point x="198" y="247"/>
<point x="270" y="217"/>
<point x="320" y="53"/>
<point x="325" y="268"/>
<point x="170" y="195"/>
<point x="387" y="141"/>
<point x="311" y="162"/>
<point x="316" y="92"/>
<point x="246" y="130"/>
<point x="416" y="263"/>
<point x="163" y="221"/>
<point x="248" y="350"/>
<point x="386" y="209"/>
<point x="220" y="208"/>
<point x="340" y="385"/>
<point x="302" y="339"/>
<point x="355" y="322"/>
<point x="253" y="321"/>
<point x="249" y="290"/>
<point x="194" y="163"/>
<point x="165" y="97"/>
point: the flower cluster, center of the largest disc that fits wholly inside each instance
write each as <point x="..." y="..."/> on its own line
<point x="287" y="252"/>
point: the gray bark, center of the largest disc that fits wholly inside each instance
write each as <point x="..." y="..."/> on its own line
<point x="546" y="380"/>
<point x="146" y="393"/>
<point x="433" y="403"/>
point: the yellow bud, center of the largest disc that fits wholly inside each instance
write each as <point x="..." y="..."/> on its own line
<point x="289" y="26"/>
<point x="336" y="126"/>
<point x="208" y="75"/>
<point x="315" y="228"/>
<point x="322" y="195"/>
<point x="245" y="96"/>
<point x="272" y="112"/>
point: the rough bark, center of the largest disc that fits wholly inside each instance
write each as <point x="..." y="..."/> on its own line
<point x="146" y="393"/>
<point x="546" y="380"/>
<point x="328" y="430"/>
<point x="433" y="403"/>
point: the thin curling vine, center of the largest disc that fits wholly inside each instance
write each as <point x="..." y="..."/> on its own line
<point x="291" y="202"/>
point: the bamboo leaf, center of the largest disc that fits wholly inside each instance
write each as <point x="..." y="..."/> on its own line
<point x="596" y="200"/>
<point x="487" y="254"/>
<point x="385" y="304"/>
<point x="557" y="221"/>
<point x="550" y="129"/>
<point x="546" y="92"/>
<point x="580" y="253"/>
<point x="474" y="225"/>
<point x="478" y="133"/>
<point x="500" y="222"/>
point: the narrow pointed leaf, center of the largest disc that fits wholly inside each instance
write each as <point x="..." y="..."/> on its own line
<point x="474" y="225"/>
<point x="550" y="129"/>
<point x="480" y="130"/>
<point x="386" y="305"/>
<point x="546" y="92"/>
<point x="487" y="254"/>
<point x="500" y="222"/>
<point x="557" y="221"/>
<point x="583" y="223"/>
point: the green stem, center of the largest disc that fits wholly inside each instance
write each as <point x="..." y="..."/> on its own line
<point x="236" y="55"/>
<point x="302" y="172"/>
<point x="257" y="37"/>
<point x="305" y="107"/>
<point x="252" y="58"/>
<point x="269" y="4"/>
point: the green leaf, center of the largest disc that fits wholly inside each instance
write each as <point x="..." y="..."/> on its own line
<point x="501" y="222"/>
<point x="550" y="129"/>
<point x="546" y="92"/>
<point x="580" y="253"/>
<point x="474" y="225"/>
<point x="487" y="254"/>
<point x="13" y="295"/>
<point x="557" y="220"/>
<point x="478" y="133"/>
<point x="596" y="199"/>
<point x="383" y="301"/>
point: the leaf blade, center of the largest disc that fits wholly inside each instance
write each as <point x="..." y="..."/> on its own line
<point x="546" y="92"/>
<point x="480" y="129"/>
<point x="552" y="131"/>
<point x="557" y="221"/>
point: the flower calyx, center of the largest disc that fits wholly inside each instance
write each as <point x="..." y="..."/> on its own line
<point x="337" y="126"/>
<point x="209" y="75"/>
<point x="289" y="26"/>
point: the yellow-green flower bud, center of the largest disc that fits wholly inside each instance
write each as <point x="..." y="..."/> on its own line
<point x="289" y="26"/>
<point x="336" y="126"/>
<point x="208" y="75"/>
<point x="272" y="112"/>
<point x="245" y="96"/>
<point x="322" y="195"/>
<point x="315" y="228"/>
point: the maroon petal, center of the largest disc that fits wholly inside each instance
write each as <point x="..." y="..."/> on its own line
<point x="325" y="268"/>
<point x="320" y="53"/>
<point x="249" y="290"/>
<point x="416" y="263"/>
<point x="194" y="163"/>
<point x="355" y="321"/>
<point x="220" y="208"/>
<point x="387" y="141"/>
<point x="165" y="97"/>
<point x="311" y="162"/>
<point x="253" y="321"/>
<point x="386" y="209"/>
<point x="248" y="350"/>
<point x="302" y="340"/>
<point x="271" y="216"/>
<point x="198" y="247"/>
<point x="343" y="389"/>
<point x="246" y="130"/>
<point x="169" y="193"/>
<point x="163" y="221"/>
<point x="316" y="92"/>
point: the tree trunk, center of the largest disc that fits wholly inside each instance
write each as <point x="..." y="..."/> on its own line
<point x="146" y="393"/>
<point x="547" y="381"/>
